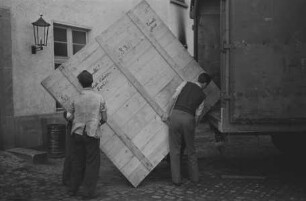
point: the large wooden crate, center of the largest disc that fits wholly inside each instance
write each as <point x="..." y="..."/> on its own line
<point x="137" y="63"/>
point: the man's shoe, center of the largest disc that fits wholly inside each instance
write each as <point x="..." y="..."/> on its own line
<point x="195" y="181"/>
<point x="72" y="193"/>
<point x="65" y="183"/>
<point x="90" y="196"/>
<point x="177" y="184"/>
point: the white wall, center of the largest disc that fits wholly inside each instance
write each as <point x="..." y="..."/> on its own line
<point x="179" y="21"/>
<point x="30" y="69"/>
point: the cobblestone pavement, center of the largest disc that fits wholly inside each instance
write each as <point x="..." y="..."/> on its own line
<point x="247" y="168"/>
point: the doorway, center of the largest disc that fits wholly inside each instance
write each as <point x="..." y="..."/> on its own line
<point x="207" y="37"/>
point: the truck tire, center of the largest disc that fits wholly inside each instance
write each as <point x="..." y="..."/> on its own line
<point x="290" y="143"/>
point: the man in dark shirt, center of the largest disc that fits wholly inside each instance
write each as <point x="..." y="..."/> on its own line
<point x="188" y="104"/>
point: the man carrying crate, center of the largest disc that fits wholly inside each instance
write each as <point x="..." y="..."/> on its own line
<point x="88" y="113"/>
<point x="185" y="112"/>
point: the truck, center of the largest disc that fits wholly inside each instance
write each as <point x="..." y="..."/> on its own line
<point x="255" y="51"/>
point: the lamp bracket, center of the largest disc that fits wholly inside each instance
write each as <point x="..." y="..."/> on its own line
<point x="35" y="48"/>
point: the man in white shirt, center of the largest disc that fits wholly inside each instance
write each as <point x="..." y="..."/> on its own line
<point x="87" y="111"/>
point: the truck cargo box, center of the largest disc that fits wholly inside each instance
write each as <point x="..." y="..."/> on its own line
<point x="137" y="63"/>
<point x="256" y="52"/>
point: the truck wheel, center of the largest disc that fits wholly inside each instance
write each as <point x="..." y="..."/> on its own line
<point x="290" y="143"/>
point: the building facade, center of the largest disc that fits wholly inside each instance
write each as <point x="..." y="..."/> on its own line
<point x="26" y="107"/>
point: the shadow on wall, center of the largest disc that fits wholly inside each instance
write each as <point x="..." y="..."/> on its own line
<point x="181" y="35"/>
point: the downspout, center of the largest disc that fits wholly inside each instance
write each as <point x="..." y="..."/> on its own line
<point x="194" y="14"/>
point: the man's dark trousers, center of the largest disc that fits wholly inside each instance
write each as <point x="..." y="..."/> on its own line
<point x="68" y="155"/>
<point x="85" y="154"/>
<point x="182" y="125"/>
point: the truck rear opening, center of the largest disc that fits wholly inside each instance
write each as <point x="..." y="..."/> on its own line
<point x="256" y="52"/>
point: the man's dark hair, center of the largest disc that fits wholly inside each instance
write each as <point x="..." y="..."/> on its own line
<point x="204" y="78"/>
<point x="85" y="78"/>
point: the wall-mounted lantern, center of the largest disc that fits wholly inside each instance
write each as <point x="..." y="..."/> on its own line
<point x="41" y="29"/>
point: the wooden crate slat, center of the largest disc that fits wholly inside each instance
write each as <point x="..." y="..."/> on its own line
<point x="85" y="54"/>
<point x="129" y="109"/>
<point x="167" y="91"/>
<point x="115" y="88"/>
<point x="123" y="157"/>
<point x="146" y="29"/>
<point x="157" y="83"/>
<point x="106" y="133"/>
<point x="137" y="175"/>
<point x="142" y="50"/>
<point x="60" y="87"/>
<point x="135" y="171"/>
<point x="120" y="97"/>
<point x="148" y="17"/>
<point x="148" y="68"/>
<point x="150" y="130"/>
<point x="177" y="52"/>
<point x="139" y="120"/>
<point x="123" y="137"/>
<point x="130" y="77"/>
<point x="116" y="150"/>
<point x="160" y="152"/>
<point x="157" y="139"/>
<point x="191" y="71"/>
<point x="114" y="146"/>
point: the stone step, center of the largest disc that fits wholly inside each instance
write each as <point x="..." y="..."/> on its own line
<point x="31" y="155"/>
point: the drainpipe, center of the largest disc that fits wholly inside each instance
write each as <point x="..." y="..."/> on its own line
<point x="194" y="5"/>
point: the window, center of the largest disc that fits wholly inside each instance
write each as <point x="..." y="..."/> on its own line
<point x="67" y="41"/>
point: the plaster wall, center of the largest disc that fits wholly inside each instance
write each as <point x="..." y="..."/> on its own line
<point x="180" y="24"/>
